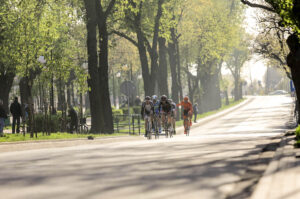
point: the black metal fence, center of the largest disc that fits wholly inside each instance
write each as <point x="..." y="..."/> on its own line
<point x="131" y="124"/>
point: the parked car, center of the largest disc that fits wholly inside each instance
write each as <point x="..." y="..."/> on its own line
<point x="279" y="92"/>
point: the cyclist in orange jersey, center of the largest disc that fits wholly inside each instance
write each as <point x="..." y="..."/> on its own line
<point x="187" y="110"/>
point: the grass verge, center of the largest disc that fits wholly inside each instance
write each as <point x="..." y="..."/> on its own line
<point x="53" y="136"/>
<point x="199" y="116"/>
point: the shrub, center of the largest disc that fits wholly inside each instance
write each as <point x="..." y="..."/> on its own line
<point x="117" y="112"/>
<point x="125" y="111"/>
<point x="298" y="133"/>
<point x="53" y="123"/>
<point x="137" y="109"/>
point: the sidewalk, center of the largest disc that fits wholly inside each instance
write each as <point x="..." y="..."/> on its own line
<point x="281" y="180"/>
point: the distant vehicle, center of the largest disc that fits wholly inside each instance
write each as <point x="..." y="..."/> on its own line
<point x="279" y="92"/>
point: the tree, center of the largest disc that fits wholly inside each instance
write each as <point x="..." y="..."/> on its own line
<point x="235" y="63"/>
<point x="96" y="20"/>
<point x="143" y="19"/>
<point x="289" y="12"/>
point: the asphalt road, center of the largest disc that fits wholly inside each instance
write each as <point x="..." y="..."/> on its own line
<point x="208" y="164"/>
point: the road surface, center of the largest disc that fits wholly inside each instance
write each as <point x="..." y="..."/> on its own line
<point x="208" y="164"/>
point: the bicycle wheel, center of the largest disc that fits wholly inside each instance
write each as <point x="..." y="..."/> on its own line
<point x="85" y="129"/>
<point x="166" y="129"/>
<point x="188" y="128"/>
<point x="156" y="128"/>
<point x="149" y="133"/>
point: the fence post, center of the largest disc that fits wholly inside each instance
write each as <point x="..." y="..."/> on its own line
<point x="133" y="123"/>
<point x="139" y="124"/>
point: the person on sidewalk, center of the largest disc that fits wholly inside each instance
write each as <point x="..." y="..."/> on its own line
<point x="74" y="119"/>
<point x="195" y="108"/>
<point x="16" y="111"/>
<point x="3" y="116"/>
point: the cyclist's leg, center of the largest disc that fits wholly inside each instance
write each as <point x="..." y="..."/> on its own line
<point x="159" y="123"/>
<point x="146" y="121"/>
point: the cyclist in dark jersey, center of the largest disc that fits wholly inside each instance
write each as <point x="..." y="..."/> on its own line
<point x="173" y="114"/>
<point x="166" y="109"/>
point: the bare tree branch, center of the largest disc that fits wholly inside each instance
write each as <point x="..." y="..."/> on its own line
<point x="121" y="34"/>
<point x="255" y="5"/>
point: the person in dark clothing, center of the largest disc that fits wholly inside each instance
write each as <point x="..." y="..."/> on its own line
<point x="137" y="101"/>
<point x="195" y="108"/>
<point x="16" y="111"/>
<point x="3" y="116"/>
<point x="74" y="119"/>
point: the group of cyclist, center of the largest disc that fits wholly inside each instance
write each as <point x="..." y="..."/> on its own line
<point x="163" y="111"/>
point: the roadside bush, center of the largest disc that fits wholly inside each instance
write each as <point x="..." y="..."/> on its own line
<point x="125" y="111"/>
<point x="53" y="123"/>
<point x="297" y="133"/>
<point x="137" y="109"/>
<point x="117" y="112"/>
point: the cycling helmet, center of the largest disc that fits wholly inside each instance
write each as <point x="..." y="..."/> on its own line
<point x="154" y="97"/>
<point x="147" y="98"/>
<point x="186" y="98"/>
<point x="170" y="100"/>
<point x="163" y="98"/>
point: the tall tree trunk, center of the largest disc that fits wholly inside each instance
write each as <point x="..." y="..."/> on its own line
<point x="94" y="80"/>
<point x="6" y="81"/>
<point x="25" y="86"/>
<point x="236" y="88"/>
<point x="163" y="68"/>
<point x="148" y="87"/>
<point x="178" y="67"/>
<point x="211" y="91"/>
<point x="174" y="76"/>
<point x="61" y="97"/>
<point x="293" y="61"/>
<point x="103" y="74"/>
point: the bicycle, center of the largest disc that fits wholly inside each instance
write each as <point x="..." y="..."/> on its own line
<point x="83" y="128"/>
<point x="167" y="125"/>
<point x="156" y="126"/>
<point x="187" y="126"/>
<point x="148" y="126"/>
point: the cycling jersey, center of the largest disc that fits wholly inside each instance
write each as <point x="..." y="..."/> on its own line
<point x="165" y="107"/>
<point x="173" y="105"/>
<point x="147" y="109"/>
<point x="156" y="107"/>
<point x="187" y="107"/>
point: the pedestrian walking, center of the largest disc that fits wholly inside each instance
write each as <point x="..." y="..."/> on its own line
<point x="3" y="116"/>
<point x="74" y="119"/>
<point x="195" y="108"/>
<point x="16" y="111"/>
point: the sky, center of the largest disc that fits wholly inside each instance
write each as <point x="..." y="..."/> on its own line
<point x="255" y="68"/>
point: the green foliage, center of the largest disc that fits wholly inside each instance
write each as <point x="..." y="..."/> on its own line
<point x="210" y="31"/>
<point x="49" y="28"/>
<point x="297" y="133"/>
<point x="136" y="109"/>
<point x="118" y="111"/>
<point x="288" y="12"/>
<point x="53" y="122"/>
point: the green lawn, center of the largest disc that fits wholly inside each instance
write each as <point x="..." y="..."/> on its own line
<point x="199" y="116"/>
<point x="20" y="137"/>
